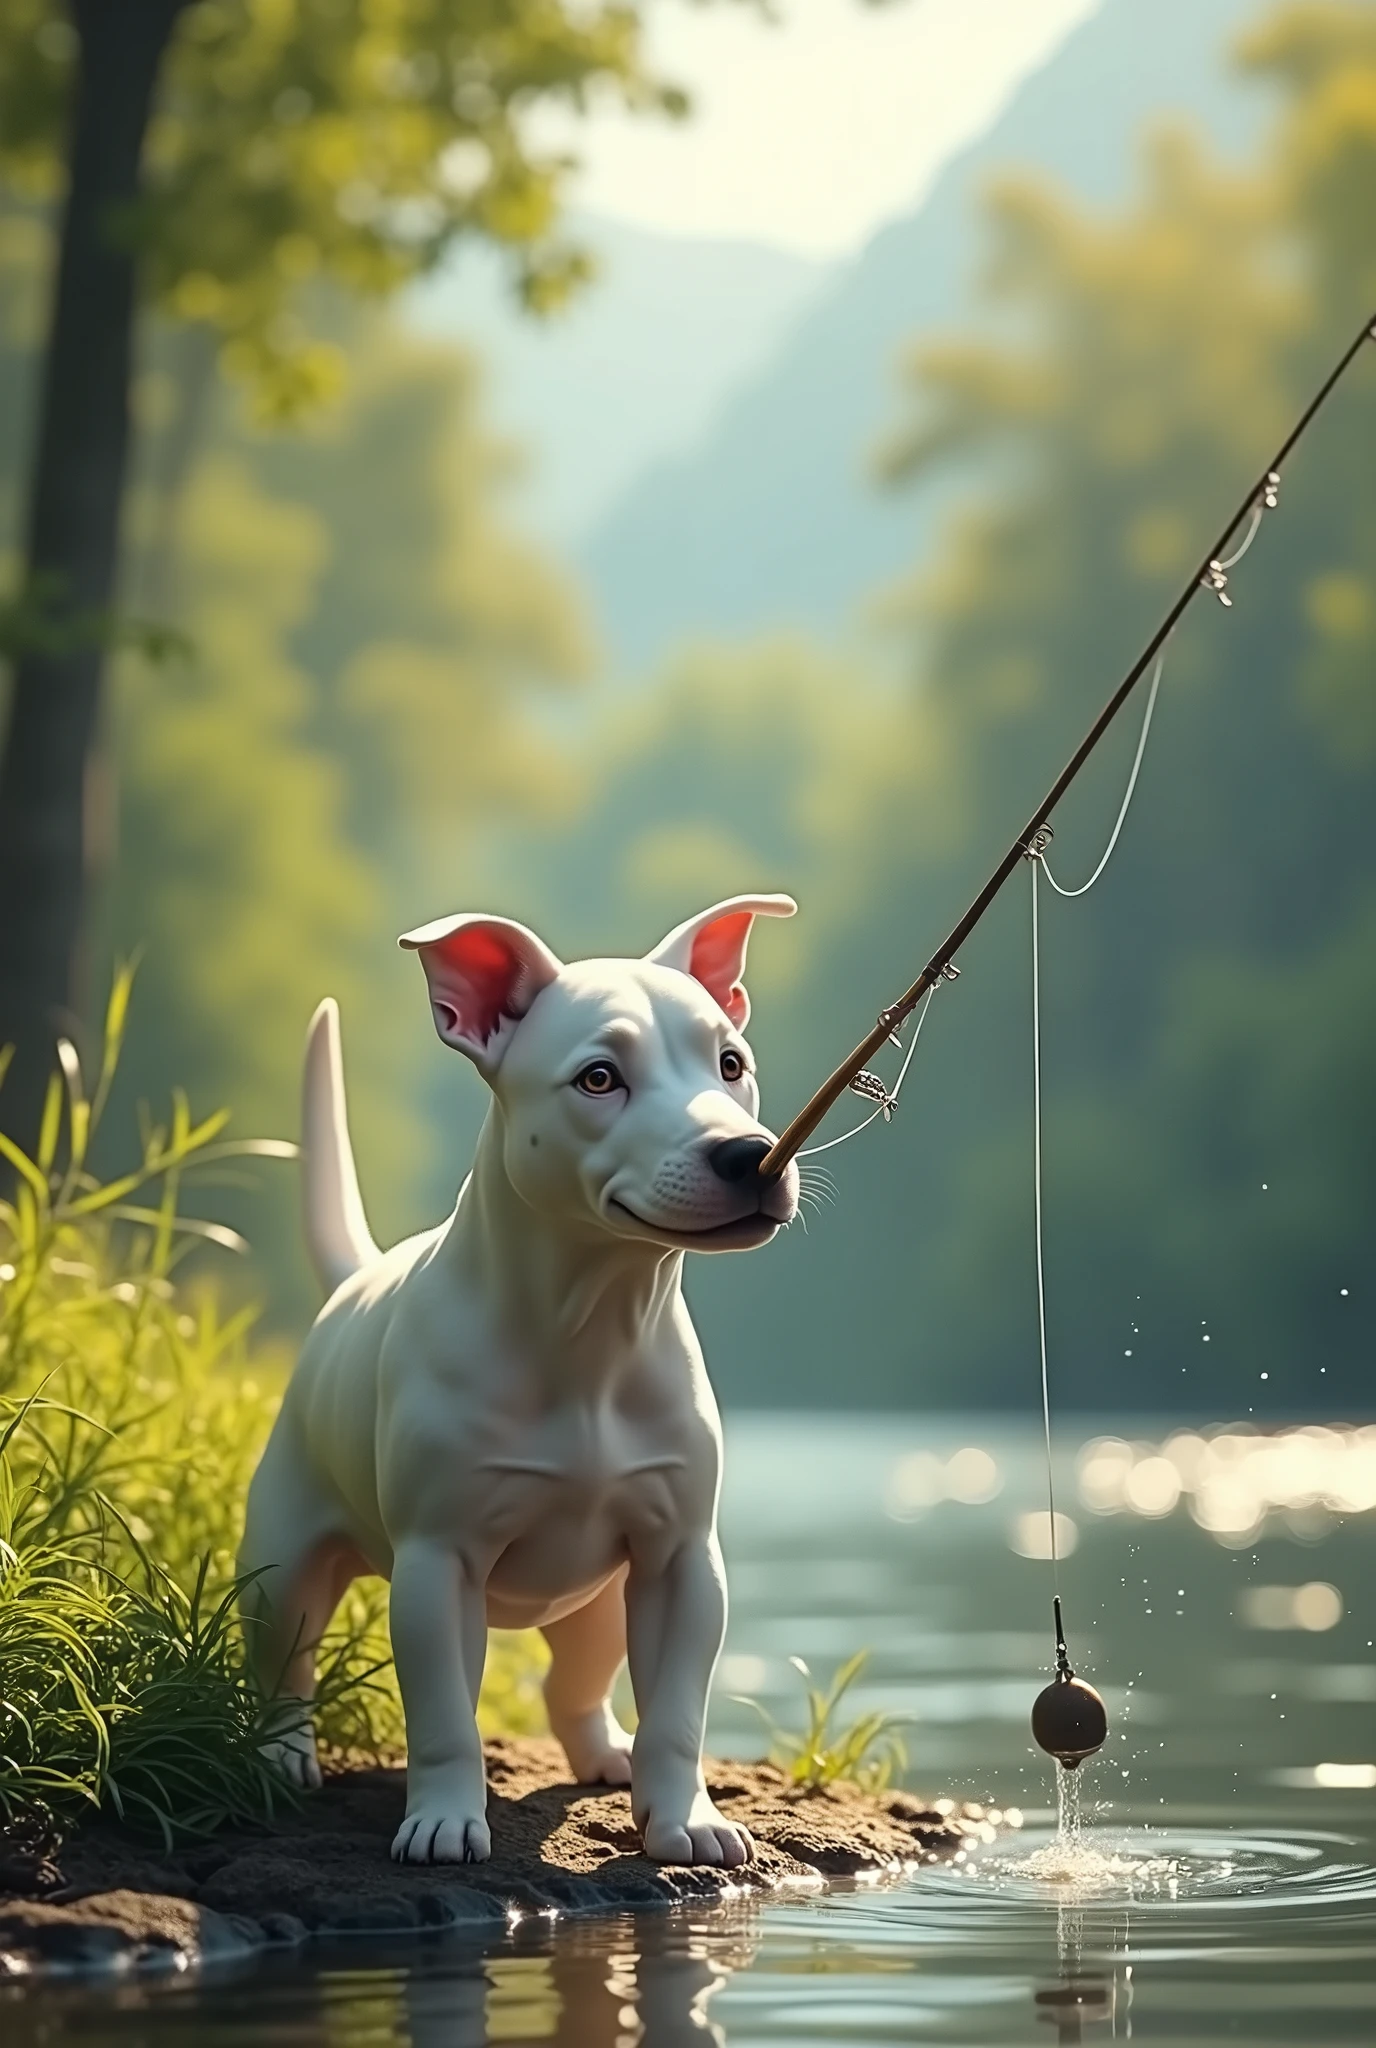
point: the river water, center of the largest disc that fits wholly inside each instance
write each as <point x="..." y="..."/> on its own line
<point x="1218" y="1590"/>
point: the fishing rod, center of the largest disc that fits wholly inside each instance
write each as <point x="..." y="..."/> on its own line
<point x="1210" y="575"/>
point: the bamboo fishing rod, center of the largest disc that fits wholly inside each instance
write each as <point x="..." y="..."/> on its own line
<point x="1210" y="575"/>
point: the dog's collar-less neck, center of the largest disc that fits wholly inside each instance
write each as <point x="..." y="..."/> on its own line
<point x="598" y="1295"/>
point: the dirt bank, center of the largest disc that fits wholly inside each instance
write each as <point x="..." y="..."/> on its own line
<point x="105" y="1900"/>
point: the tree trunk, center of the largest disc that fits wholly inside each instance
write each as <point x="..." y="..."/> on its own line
<point x="73" y="529"/>
<point x="191" y="354"/>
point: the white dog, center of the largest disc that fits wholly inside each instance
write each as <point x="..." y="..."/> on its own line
<point x="509" y="1416"/>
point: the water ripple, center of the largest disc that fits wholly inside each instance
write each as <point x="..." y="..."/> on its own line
<point x="1166" y="1867"/>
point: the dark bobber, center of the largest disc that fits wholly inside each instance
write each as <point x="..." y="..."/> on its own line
<point x="1069" y="1719"/>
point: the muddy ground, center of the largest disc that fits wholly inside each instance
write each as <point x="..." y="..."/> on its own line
<point x="105" y="1899"/>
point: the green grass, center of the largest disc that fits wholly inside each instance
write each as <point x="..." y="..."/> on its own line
<point x="866" y="1752"/>
<point x="132" y="1695"/>
<point x="133" y="1407"/>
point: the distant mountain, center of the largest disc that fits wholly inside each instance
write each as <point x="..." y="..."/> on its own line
<point x="772" y="520"/>
<point x="633" y="371"/>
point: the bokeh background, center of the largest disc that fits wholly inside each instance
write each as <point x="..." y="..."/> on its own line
<point x="792" y="549"/>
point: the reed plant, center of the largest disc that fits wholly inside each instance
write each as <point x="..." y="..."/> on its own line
<point x="867" y="1752"/>
<point x="133" y="1407"/>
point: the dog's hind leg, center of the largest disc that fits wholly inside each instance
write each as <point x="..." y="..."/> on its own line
<point x="587" y="1649"/>
<point x="300" y="1567"/>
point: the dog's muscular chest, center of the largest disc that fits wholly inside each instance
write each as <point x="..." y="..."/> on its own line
<point x="549" y="1504"/>
<point x="549" y="1498"/>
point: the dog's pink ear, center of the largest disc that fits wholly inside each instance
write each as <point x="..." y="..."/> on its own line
<point x="711" y="947"/>
<point x="483" y="973"/>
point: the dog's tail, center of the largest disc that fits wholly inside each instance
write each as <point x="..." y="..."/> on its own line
<point x="337" y="1232"/>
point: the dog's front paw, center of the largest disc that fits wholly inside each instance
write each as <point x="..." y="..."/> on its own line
<point x="702" y="1835"/>
<point x="445" y="1823"/>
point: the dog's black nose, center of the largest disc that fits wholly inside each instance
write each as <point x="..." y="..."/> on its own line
<point x="739" y="1159"/>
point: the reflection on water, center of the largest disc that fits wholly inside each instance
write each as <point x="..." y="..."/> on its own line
<point x="596" y="1984"/>
<point x="1222" y="1887"/>
<point x="1085" y="1998"/>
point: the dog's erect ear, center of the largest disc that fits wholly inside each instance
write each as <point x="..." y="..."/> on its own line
<point x="711" y="947"/>
<point x="483" y="973"/>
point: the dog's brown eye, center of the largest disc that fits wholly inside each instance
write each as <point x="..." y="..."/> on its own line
<point x="732" y="1065"/>
<point x="601" y="1078"/>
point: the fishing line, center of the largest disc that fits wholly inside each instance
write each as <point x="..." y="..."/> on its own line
<point x="1267" y="503"/>
<point x="1036" y="860"/>
<point x="1035" y="863"/>
<point x="1068" y="1716"/>
<point x="1085" y="887"/>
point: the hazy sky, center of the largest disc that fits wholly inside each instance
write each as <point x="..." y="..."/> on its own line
<point x="810" y="130"/>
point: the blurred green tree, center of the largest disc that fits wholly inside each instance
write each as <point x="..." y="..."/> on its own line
<point x="371" y="650"/>
<point x="231" y="149"/>
<point x="740" y="767"/>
